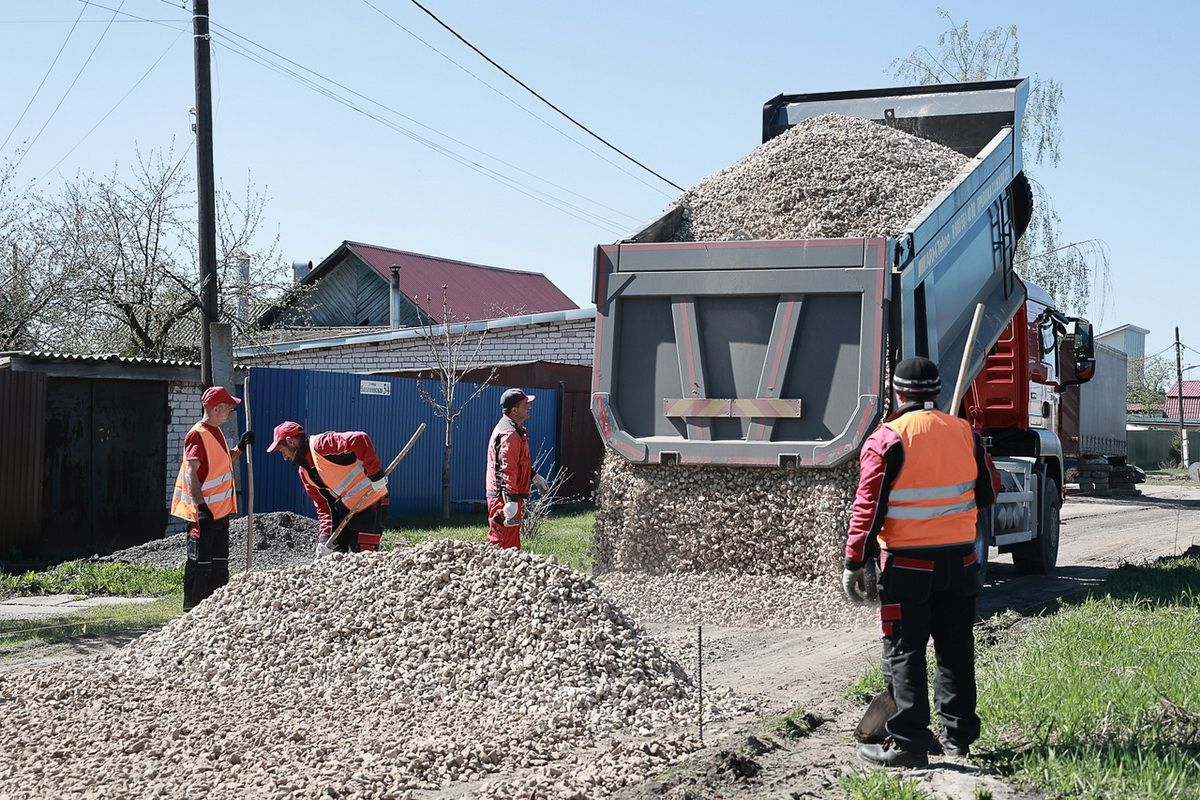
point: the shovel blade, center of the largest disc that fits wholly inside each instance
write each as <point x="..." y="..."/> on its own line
<point x="872" y="728"/>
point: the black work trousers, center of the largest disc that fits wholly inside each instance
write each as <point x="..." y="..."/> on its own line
<point x="363" y="532"/>
<point x="207" y="567"/>
<point x="929" y="593"/>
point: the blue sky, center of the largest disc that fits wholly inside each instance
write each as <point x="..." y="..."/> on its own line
<point x="679" y="85"/>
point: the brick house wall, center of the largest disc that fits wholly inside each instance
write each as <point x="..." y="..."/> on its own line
<point x="566" y="342"/>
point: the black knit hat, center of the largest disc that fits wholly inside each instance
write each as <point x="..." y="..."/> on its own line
<point x="917" y="377"/>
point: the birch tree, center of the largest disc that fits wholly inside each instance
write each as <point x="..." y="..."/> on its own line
<point x="1064" y="268"/>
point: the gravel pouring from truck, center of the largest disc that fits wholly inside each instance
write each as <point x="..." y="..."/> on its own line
<point x="773" y="353"/>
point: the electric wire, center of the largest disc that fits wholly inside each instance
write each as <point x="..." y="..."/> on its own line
<point x="49" y="69"/>
<point x="124" y="97"/>
<point x="400" y="114"/>
<point x="556" y="203"/>
<point x="607" y="224"/>
<point x="74" y="80"/>
<point x="533" y="92"/>
<point x="513" y="101"/>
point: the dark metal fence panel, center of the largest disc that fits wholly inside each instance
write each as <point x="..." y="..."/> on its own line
<point x="389" y="410"/>
<point x="22" y="432"/>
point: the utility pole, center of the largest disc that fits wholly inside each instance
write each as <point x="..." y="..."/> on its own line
<point x="207" y="205"/>
<point x="1183" y="440"/>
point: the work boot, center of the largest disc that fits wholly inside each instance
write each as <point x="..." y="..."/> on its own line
<point x="952" y="748"/>
<point x="889" y="754"/>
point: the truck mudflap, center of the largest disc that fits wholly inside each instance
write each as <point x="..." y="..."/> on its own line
<point x="763" y="353"/>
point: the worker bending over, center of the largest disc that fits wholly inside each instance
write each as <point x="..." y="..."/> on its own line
<point x="923" y="477"/>
<point x="342" y="474"/>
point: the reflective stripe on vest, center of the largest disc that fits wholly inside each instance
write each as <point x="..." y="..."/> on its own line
<point x="348" y="482"/>
<point x="218" y="489"/>
<point x="932" y="499"/>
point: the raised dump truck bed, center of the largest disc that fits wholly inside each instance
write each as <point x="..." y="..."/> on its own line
<point x="773" y="353"/>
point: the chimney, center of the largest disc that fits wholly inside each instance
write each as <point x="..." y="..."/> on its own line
<point x="300" y="269"/>
<point x="396" y="307"/>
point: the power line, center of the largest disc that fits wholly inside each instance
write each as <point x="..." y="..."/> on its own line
<point x="510" y="99"/>
<point x="74" y="80"/>
<point x="116" y="104"/>
<point x="556" y="203"/>
<point x="414" y="121"/>
<point x="49" y="69"/>
<point x="238" y="49"/>
<point x="533" y="92"/>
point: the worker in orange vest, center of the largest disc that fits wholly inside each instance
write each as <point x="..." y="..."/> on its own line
<point x="923" y="476"/>
<point x="342" y="475"/>
<point x="510" y="470"/>
<point x="206" y="497"/>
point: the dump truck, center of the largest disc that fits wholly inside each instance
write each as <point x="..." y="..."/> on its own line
<point x="679" y="378"/>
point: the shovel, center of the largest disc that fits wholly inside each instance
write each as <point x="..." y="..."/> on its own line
<point x="399" y="456"/>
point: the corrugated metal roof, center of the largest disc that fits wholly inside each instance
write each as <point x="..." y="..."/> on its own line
<point x="474" y="291"/>
<point x="95" y="358"/>
<point x="1190" y="389"/>
<point x="401" y="334"/>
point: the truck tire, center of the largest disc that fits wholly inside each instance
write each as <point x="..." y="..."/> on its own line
<point x="1040" y="556"/>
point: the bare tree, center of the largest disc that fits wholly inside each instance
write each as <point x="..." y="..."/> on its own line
<point x="27" y="289"/>
<point x="129" y="243"/>
<point x="1066" y="269"/>
<point x="451" y="355"/>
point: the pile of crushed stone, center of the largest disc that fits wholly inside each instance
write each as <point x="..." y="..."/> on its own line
<point x="365" y="675"/>
<point x="289" y="539"/>
<point x="827" y="177"/>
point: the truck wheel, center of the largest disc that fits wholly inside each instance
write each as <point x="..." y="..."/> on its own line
<point x="1040" y="556"/>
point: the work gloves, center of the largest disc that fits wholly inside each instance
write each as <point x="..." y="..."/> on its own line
<point x="246" y="440"/>
<point x="323" y="549"/>
<point x="854" y="585"/>
<point x="379" y="485"/>
<point x="541" y="484"/>
<point x="204" y="513"/>
<point x="510" y="512"/>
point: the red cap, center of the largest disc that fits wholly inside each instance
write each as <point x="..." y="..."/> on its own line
<point x="285" y="430"/>
<point x="216" y="395"/>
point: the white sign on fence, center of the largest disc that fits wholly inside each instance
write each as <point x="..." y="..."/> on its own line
<point x="382" y="388"/>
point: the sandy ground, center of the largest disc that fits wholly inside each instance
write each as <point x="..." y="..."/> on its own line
<point x="811" y="668"/>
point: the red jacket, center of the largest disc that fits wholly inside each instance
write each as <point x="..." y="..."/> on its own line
<point x="509" y="465"/>
<point x="880" y="460"/>
<point x="341" y="448"/>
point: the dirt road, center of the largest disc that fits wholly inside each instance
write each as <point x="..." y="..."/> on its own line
<point x="811" y="669"/>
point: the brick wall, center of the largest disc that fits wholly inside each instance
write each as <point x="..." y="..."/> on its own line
<point x="568" y="342"/>
<point x="183" y="405"/>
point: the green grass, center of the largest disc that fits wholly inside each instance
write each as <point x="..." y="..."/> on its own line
<point x="19" y="635"/>
<point x="879" y="785"/>
<point x="866" y="685"/>
<point x="795" y="724"/>
<point x="566" y="534"/>
<point x="1102" y="699"/>
<point x="82" y="577"/>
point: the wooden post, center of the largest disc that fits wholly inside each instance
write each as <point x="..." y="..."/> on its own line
<point x="249" y="479"/>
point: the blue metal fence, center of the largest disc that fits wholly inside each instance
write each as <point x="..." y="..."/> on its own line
<point x="336" y="401"/>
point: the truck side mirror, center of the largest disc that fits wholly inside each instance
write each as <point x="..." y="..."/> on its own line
<point x="1077" y="353"/>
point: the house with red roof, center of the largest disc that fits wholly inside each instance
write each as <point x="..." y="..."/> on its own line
<point x="1191" y="402"/>
<point x="363" y="285"/>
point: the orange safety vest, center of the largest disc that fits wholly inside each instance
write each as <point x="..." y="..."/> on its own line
<point x="932" y="500"/>
<point x="217" y="489"/>
<point x="349" y="483"/>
